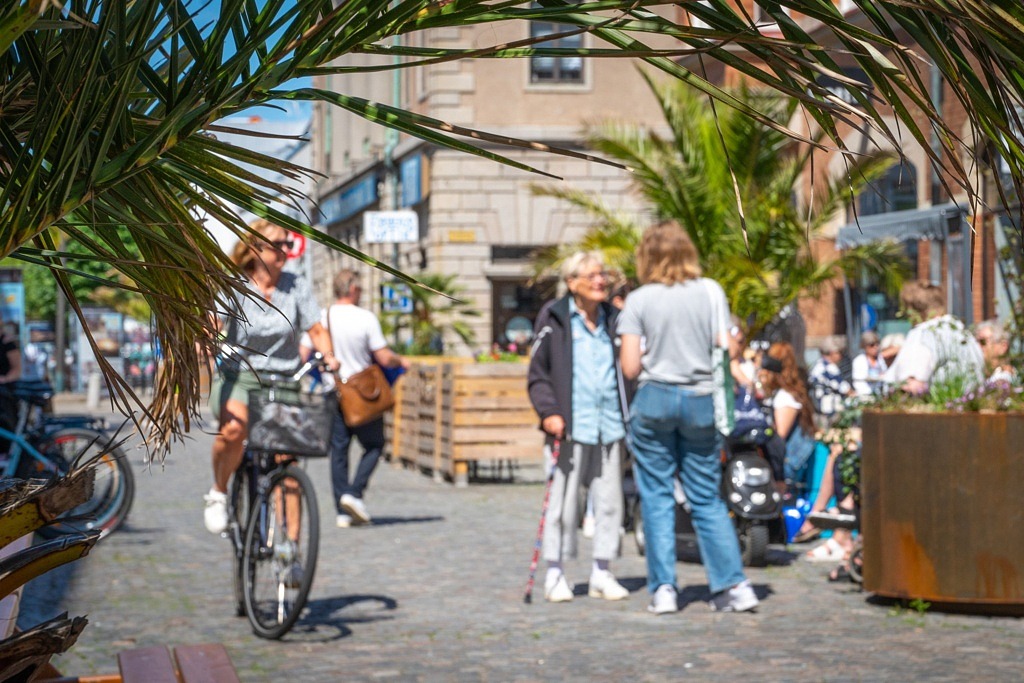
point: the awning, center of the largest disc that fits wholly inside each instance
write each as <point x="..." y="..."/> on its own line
<point x="901" y="226"/>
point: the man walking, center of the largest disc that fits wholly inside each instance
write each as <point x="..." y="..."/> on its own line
<point x="358" y="342"/>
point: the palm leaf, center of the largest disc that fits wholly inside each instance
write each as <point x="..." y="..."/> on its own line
<point x="105" y="107"/>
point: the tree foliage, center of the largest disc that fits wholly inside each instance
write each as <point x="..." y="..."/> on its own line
<point x="109" y="111"/>
<point x="730" y="181"/>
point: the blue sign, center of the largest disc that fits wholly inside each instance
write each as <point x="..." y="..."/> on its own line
<point x="396" y="297"/>
<point x="411" y="174"/>
<point x="868" y="317"/>
<point x="349" y="200"/>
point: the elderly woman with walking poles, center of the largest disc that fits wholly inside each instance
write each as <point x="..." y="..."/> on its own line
<point x="576" y="387"/>
<point x="669" y="328"/>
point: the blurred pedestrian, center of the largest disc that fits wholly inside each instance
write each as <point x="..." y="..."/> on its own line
<point x="10" y="354"/>
<point x="575" y="385"/>
<point x="681" y="317"/>
<point x="10" y="371"/>
<point x="358" y="342"/>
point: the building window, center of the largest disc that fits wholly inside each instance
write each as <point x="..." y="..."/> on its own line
<point x="894" y="191"/>
<point x="556" y="69"/>
<point x="515" y="303"/>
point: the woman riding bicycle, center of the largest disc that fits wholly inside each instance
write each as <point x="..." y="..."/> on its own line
<point x="261" y="338"/>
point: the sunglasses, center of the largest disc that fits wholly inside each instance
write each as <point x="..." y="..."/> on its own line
<point x="594" y="277"/>
<point x="283" y="245"/>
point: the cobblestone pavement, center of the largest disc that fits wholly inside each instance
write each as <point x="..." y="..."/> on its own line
<point x="432" y="591"/>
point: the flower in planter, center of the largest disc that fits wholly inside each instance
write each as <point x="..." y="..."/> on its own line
<point x="993" y="396"/>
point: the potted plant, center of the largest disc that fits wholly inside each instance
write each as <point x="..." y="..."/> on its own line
<point x="938" y="480"/>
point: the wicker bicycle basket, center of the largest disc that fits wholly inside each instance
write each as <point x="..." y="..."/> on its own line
<point x="289" y="421"/>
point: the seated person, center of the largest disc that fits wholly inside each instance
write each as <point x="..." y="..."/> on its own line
<point x="995" y="345"/>
<point x="829" y="387"/>
<point x="939" y="349"/>
<point x="868" y="367"/>
<point x="792" y="415"/>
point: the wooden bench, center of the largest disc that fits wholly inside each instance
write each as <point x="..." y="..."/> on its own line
<point x="208" y="663"/>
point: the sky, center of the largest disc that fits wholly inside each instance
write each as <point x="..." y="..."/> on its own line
<point x="287" y="118"/>
<point x="208" y="11"/>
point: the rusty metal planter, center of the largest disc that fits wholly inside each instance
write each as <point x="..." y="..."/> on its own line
<point x="942" y="513"/>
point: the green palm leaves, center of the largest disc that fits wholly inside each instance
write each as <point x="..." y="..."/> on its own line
<point x="106" y="110"/>
<point x="730" y="181"/>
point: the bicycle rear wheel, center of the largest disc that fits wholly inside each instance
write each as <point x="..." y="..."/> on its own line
<point x="281" y="544"/>
<point x="113" y="489"/>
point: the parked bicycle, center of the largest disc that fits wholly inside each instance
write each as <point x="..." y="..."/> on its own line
<point x="43" y="447"/>
<point x="274" y="520"/>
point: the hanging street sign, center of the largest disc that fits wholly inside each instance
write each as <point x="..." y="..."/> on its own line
<point x="396" y="297"/>
<point x="390" y="227"/>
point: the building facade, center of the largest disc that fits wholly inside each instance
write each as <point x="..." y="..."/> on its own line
<point x="477" y="218"/>
<point x="480" y="219"/>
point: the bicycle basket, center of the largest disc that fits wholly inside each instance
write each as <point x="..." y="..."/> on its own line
<point x="288" y="421"/>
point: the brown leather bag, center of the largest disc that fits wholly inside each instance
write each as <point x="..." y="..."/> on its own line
<point x="365" y="396"/>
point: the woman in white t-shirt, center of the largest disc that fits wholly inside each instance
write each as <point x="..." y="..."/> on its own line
<point x="681" y="317"/>
<point x="868" y="367"/>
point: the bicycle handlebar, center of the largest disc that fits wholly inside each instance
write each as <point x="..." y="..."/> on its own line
<point x="315" y="361"/>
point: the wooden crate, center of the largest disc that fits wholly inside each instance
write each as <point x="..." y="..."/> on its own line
<point x="450" y="413"/>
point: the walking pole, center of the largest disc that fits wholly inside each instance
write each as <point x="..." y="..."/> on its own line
<point x="555" y="448"/>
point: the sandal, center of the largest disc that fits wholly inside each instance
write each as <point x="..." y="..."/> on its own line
<point x="829" y="551"/>
<point x="807" y="536"/>
<point x="840" y="573"/>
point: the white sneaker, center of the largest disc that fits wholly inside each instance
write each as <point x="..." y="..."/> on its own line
<point x="664" y="601"/>
<point x="356" y="508"/>
<point x="739" y="598"/>
<point x="216" y="514"/>
<point x="343" y="521"/>
<point x="589" y="527"/>
<point x="559" y="590"/>
<point x="604" y="585"/>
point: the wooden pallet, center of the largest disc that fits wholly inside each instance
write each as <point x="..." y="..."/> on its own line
<point x="451" y="413"/>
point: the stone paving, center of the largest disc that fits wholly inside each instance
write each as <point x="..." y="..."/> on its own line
<point x="432" y="591"/>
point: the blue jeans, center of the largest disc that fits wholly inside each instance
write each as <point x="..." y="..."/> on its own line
<point x="673" y="429"/>
<point x="371" y="437"/>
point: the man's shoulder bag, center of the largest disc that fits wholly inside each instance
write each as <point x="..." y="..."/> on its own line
<point x="365" y="396"/>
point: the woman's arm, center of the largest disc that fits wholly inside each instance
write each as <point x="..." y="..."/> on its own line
<point x="322" y="343"/>
<point x="785" y="419"/>
<point x="629" y="356"/>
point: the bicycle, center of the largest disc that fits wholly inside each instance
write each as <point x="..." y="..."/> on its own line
<point x="273" y="517"/>
<point x="41" y="447"/>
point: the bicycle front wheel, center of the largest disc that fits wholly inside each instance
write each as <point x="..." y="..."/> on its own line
<point x="113" y="489"/>
<point x="241" y="492"/>
<point x="281" y="544"/>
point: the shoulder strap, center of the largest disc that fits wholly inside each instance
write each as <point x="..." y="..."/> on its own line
<point x="331" y="337"/>
<point x="717" y="331"/>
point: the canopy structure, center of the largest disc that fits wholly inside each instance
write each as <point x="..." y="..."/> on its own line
<point x="930" y="223"/>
